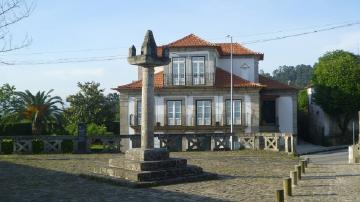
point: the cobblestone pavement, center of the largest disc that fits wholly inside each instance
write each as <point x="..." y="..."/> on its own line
<point x="244" y="176"/>
<point x="329" y="178"/>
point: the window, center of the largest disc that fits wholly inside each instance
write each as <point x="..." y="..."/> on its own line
<point x="268" y="114"/>
<point x="236" y="112"/>
<point x="178" y="69"/>
<point x="138" y="112"/>
<point x="174" y="113"/>
<point x="198" y="70"/>
<point x="203" y="112"/>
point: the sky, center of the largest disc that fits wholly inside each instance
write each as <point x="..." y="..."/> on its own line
<point x="68" y="30"/>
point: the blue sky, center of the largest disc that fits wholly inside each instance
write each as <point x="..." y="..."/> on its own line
<point x="63" y="29"/>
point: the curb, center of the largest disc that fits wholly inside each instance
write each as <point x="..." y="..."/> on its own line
<point x="324" y="150"/>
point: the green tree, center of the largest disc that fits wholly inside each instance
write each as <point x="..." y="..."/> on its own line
<point x="7" y="98"/>
<point x="90" y="105"/>
<point x="303" y="102"/>
<point x="41" y="109"/>
<point x="337" y="86"/>
<point x="300" y="75"/>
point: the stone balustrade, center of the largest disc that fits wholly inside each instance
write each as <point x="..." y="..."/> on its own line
<point x="174" y="142"/>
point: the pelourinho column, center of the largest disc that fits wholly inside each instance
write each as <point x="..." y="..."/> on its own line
<point x="147" y="105"/>
<point x="148" y="59"/>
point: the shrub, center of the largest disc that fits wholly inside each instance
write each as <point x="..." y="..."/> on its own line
<point x="7" y="147"/>
<point x="93" y="129"/>
<point x="15" y="129"/>
<point x="67" y="146"/>
<point x="38" y="146"/>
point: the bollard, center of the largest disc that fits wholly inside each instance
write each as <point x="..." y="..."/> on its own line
<point x="298" y="171"/>
<point x="302" y="163"/>
<point x="307" y="161"/>
<point x="279" y="195"/>
<point x="293" y="175"/>
<point x="287" y="187"/>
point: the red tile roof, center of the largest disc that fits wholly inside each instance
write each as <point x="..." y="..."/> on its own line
<point x="222" y="80"/>
<point x="158" y="83"/>
<point x="274" y="85"/>
<point x="190" y="40"/>
<point x="224" y="49"/>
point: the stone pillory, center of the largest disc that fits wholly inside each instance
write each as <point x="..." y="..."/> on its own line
<point x="148" y="59"/>
<point x="148" y="166"/>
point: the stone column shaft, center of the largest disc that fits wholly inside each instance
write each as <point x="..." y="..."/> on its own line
<point x="147" y="107"/>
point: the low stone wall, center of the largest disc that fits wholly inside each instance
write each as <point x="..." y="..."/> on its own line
<point x="173" y="142"/>
<point x="215" y="142"/>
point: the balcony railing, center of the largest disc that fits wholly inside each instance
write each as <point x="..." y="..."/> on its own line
<point x="189" y="79"/>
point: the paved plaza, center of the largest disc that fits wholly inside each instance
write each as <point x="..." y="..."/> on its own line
<point x="244" y="176"/>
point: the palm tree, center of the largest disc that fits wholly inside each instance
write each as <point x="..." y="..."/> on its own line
<point x="41" y="109"/>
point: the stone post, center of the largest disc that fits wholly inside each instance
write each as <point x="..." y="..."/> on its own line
<point x="287" y="187"/>
<point x="286" y="139"/>
<point x="293" y="176"/>
<point x="305" y="162"/>
<point x="279" y="195"/>
<point x="298" y="170"/>
<point x="302" y="163"/>
<point x="147" y="106"/>
<point x="148" y="59"/>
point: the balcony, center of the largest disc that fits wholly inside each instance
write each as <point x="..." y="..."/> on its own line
<point x="174" y="80"/>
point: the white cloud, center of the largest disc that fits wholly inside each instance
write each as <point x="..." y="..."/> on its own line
<point x="75" y="72"/>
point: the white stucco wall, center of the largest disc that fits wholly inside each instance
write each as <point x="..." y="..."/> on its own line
<point x="284" y="110"/>
<point x="189" y="109"/>
<point x="242" y="67"/>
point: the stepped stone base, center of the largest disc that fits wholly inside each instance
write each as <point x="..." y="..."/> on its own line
<point x="149" y="167"/>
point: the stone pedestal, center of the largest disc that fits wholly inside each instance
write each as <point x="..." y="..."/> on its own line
<point x="150" y="167"/>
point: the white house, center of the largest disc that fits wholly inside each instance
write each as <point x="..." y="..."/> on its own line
<point x="192" y="93"/>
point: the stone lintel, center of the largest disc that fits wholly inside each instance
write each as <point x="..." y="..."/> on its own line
<point x="148" y="61"/>
<point x="140" y="154"/>
<point x="148" y="165"/>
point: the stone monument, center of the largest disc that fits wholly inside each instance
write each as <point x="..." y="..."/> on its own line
<point x="149" y="166"/>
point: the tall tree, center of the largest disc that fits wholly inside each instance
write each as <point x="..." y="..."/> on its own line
<point x="90" y="105"/>
<point x="41" y="109"/>
<point x="300" y="75"/>
<point x="7" y="98"/>
<point x="337" y="85"/>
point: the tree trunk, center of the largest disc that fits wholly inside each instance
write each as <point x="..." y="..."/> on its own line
<point x="36" y="129"/>
<point x="343" y="123"/>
